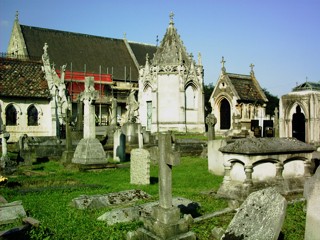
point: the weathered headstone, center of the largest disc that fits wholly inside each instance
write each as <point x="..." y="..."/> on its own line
<point x="312" y="195"/>
<point x="119" y="146"/>
<point x="9" y="212"/>
<point x="259" y="217"/>
<point x="89" y="150"/>
<point x="211" y="121"/>
<point x="104" y="200"/>
<point x="135" y="213"/>
<point x="165" y="221"/>
<point x="140" y="166"/>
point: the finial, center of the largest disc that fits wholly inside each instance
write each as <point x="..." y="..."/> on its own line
<point x="306" y="79"/>
<point x="171" y="17"/>
<point x="147" y="57"/>
<point x="157" y="40"/>
<point x="17" y="16"/>
<point x="251" y="66"/>
<point x="124" y="35"/>
<point x="223" y="62"/>
<point x="199" y="59"/>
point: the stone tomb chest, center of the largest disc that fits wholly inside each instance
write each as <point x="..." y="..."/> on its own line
<point x="254" y="163"/>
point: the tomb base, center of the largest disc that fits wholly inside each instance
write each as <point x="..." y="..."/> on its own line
<point x="67" y="157"/>
<point x="89" y="151"/>
<point x="164" y="224"/>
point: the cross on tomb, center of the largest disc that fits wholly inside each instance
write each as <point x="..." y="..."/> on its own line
<point x="168" y="158"/>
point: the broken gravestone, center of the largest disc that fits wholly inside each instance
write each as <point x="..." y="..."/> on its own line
<point x="104" y="200"/>
<point x="135" y="213"/>
<point x="312" y="195"/>
<point x="259" y="217"/>
<point x="9" y="212"/>
<point x="140" y="166"/>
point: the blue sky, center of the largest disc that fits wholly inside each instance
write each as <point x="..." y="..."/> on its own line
<point x="281" y="38"/>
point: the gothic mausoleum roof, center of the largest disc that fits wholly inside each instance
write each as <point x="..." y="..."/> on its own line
<point x="21" y="78"/>
<point x="307" y="86"/>
<point x="171" y="50"/>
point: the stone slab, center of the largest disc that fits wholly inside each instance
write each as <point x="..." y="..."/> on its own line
<point x="261" y="216"/>
<point x="9" y="212"/>
<point x="141" y="211"/>
<point x="105" y="200"/>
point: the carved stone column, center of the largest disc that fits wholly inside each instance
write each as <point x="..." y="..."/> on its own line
<point x="279" y="171"/>
<point x="248" y="171"/>
<point x="227" y="171"/>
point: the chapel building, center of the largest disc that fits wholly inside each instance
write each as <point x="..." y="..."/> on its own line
<point x="237" y="102"/>
<point x="114" y="63"/>
<point x="171" y="95"/>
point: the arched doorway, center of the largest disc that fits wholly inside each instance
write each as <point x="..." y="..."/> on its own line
<point x="298" y="125"/>
<point x="225" y="114"/>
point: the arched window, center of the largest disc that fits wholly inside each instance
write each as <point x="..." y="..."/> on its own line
<point x="298" y="125"/>
<point x="225" y="114"/>
<point x="11" y="115"/>
<point x="190" y="97"/>
<point x="32" y="116"/>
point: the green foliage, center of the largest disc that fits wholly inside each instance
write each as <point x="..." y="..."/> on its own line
<point x="47" y="189"/>
<point x="208" y="89"/>
<point x="272" y="104"/>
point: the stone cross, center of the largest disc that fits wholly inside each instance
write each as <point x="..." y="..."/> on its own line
<point x="211" y="121"/>
<point x="88" y="97"/>
<point x="168" y="158"/>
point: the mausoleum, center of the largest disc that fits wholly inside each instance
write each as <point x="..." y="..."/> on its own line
<point x="171" y="93"/>
<point x="236" y="100"/>
<point x="299" y="114"/>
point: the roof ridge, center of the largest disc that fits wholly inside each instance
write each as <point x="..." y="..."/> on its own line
<point x="68" y="32"/>
<point x="148" y="44"/>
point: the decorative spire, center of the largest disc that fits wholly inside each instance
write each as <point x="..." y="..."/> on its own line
<point x="251" y="72"/>
<point x="17" y="16"/>
<point x="171" y="18"/>
<point x="199" y="59"/>
<point x="223" y="69"/>
<point x="124" y="35"/>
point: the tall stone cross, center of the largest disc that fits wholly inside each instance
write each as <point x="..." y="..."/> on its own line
<point x="88" y="97"/>
<point x="168" y="158"/>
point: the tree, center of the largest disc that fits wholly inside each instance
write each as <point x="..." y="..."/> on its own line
<point x="208" y="89"/>
<point x="272" y="104"/>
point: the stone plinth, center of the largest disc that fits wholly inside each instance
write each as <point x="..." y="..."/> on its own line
<point x="89" y="151"/>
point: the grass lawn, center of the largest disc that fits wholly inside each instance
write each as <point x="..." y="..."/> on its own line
<point x="46" y="191"/>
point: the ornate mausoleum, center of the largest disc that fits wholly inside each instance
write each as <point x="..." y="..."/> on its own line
<point x="236" y="100"/>
<point x="300" y="113"/>
<point x="171" y="88"/>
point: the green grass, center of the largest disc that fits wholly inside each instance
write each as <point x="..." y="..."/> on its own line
<point x="47" y="190"/>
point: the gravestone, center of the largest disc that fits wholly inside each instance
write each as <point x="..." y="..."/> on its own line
<point x="89" y="150"/>
<point x="140" y="166"/>
<point x="119" y="146"/>
<point x="259" y="217"/>
<point x="105" y="200"/>
<point x="9" y="212"/>
<point x="312" y="195"/>
<point x="165" y="221"/>
<point x="211" y="121"/>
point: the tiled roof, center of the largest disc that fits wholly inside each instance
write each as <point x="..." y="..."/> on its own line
<point x="247" y="89"/>
<point x="140" y="50"/>
<point x="307" y="86"/>
<point x="20" y="78"/>
<point x="85" y="52"/>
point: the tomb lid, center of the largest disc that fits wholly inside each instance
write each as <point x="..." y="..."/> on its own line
<point x="258" y="146"/>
